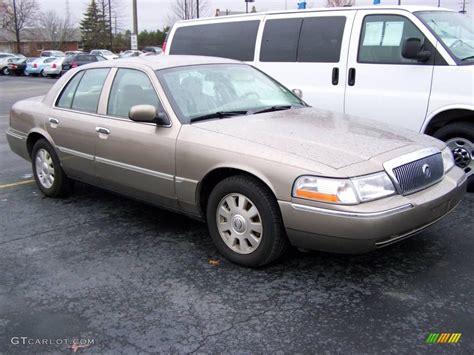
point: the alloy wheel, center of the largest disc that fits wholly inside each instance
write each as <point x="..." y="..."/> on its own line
<point x="239" y="223"/>
<point x="44" y="168"/>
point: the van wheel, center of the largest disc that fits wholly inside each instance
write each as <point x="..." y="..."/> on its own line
<point x="459" y="137"/>
<point x="49" y="176"/>
<point x="245" y="222"/>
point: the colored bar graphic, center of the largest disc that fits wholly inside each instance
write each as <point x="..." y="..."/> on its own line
<point x="442" y="338"/>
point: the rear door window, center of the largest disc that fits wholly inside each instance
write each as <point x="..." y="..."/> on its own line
<point x="235" y="40"/>
<point x="88" y="92"/>
<point x="280" y="40"/>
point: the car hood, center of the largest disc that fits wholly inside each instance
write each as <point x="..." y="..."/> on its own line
<point x="328" y="138"/>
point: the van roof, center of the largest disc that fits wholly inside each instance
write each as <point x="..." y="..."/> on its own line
<point x="408" y="8"/>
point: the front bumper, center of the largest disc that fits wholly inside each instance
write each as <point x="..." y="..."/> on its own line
<point x="368" y="226"/>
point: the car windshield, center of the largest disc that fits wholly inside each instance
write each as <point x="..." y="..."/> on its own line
<point x="106" y="53"/>
<point x="455" y="30"/>
<point x="199" y="91"/>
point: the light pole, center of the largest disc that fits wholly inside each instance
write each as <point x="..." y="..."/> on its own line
<point x="439" y="3"/>
<point x="197" y="8"/>
<point x="17" y="31"/>
<point x="135" y="18"/>
<point x="110" y="26"/>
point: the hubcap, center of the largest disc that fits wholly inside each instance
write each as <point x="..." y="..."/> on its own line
<point x="44" y="168"/>
<point x="239" y="223"/>
<point x="463" y="152"/>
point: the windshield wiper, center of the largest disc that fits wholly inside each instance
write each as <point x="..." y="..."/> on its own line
<point x="219" y="114"/>
<point x="273" y="108"/>
<point x="470" y="57"/>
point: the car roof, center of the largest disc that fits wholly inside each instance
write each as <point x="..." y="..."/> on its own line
<point x="409" y="8"/>
<point x="164" y="62"/>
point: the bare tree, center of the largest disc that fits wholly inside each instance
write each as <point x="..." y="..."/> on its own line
<point x="187" y="9"/>
<point x="339" y="3"/>
<point x="56" y="29"/>
<point x="17" y="15"/>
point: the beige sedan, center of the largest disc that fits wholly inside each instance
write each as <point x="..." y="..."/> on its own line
<point x="219" y="140"/>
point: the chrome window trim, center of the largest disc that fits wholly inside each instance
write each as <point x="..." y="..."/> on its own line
<point x="134" y="168"/>
<point x="352" y="214"/>
<point x="405" y="159"/>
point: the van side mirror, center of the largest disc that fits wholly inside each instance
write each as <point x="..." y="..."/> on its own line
<point x="413" y="49"/>
<point x="298" y="93"/>
<point x="147" y="113"/>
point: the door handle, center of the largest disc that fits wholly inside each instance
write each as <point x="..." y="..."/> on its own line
<point x="102" y="130"/>
<point x="53" y="120"/>
<point x="335" y="76"/>
<point x="352" y="77"/>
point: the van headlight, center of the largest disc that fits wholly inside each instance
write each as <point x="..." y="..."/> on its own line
<point x="344" y="191"/>
<point x="448" y="159"/>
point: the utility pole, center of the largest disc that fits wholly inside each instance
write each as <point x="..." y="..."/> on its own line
<point x="463" y="7"/>
<point x="185" y="10"/>
<point x="135" y="18"/>
<point x="439" y="3"/>
<point x="110" y="26"/>
<point x="197" y="8"/>
<point x="17" y="31"/>
<point x="399" y="2"/>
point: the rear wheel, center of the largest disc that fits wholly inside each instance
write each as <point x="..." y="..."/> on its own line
<point x="5" y="71"/>
<point x="459" y="137"/>
<point x="49" y="176"/>
<point x="245" y="222"/>
<point x="43" y="74"/>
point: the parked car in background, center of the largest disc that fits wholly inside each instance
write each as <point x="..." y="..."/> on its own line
<point x="36" y="67"/>
<point x="105" y="53"/>
<point x="222" y="141"/>
<point x="130" y="53"/>
<point x="53" y="68"/>
<point x="73" y="52"/>
<point x="52" y="53"/>
<point x="18" y="66"/>
<point x="78" y="60"/>
<point x="153" y="49"/>
<point x="147" y="54"/>
<point x="411" y="66"/>
<point x="4" y="62"/>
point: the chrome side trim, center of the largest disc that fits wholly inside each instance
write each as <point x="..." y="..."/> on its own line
<point x="12" y="133"/>
<point x="135" y="168"/>
<point x="76" y="153"/>
<point x="181" y="179"/>
<point x="330" y="212"/>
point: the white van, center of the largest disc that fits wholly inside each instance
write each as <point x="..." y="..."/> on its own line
<point x="405" y="65"/>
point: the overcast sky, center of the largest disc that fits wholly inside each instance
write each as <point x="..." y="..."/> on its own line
<point x="153" y="14"/>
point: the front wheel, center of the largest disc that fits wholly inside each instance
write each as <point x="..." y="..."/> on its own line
<point x="49" y="176"/>
<point x="5" y="71"/>
<point x="245" y="222"/>
<point x="459" y="137"/>
<point x="43" y="74"/>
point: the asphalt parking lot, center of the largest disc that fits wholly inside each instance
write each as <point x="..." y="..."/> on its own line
<point x="137" y="279"/>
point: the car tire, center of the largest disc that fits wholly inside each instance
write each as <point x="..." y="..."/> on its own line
<point x="47" y="171"/>
<point x="459" y="136"/>
<point x="5" y="71"/>
<point x="43" y="74"/>
<point x="256" y="235"/>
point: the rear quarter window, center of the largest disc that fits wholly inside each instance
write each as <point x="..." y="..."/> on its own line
<point x="234" y="40"/>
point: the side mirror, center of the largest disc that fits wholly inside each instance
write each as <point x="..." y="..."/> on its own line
<point x="147" y="113"/>
<point x="413" y="49"/>
<point x="298" y="93"/>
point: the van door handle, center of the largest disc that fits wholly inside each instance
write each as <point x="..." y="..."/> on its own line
<point x="352" y="77"/>
<point x="335" y="76"/>
<point x="102" y="130"/>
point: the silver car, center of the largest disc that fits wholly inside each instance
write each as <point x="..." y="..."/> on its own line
<point x="219" y="140"/>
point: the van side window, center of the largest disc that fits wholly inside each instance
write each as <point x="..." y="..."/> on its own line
<point x="382" y="37"/>
<point x="280" y="40"/>
<point x="234" y="40"/>
<point x="320" y="39"/>
<point x="88" y="92"/>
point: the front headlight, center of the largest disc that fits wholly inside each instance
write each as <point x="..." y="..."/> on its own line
<point x="344" y="191"/>
<point x="448" y="159"/>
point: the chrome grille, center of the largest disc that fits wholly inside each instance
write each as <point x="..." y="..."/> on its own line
<point x="418" y="174"/>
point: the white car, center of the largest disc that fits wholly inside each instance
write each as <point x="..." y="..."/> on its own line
<point x="4" y="64"/>
<point x="104" y="53"/>
<point x="406" y="65"/>
<point x="53" y="68"/>
<point x="130" y="53"/>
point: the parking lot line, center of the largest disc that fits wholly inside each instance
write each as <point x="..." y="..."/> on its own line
<point x="13" y="184"/>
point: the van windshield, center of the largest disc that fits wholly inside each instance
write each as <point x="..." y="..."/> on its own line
<point x="454" y="30"/>
<point x="212" y="91"/>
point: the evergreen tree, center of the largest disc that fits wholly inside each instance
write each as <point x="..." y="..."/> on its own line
<point x="94" y="28"/>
